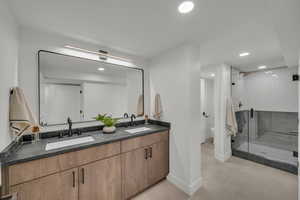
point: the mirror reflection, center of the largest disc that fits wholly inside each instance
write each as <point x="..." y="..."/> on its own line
<point x="81" y="89"/>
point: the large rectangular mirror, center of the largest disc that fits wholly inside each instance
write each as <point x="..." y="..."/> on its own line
<point x="80" y="88"/>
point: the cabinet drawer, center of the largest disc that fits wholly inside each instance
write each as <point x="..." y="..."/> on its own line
<point x="97" y="153"/>
<point x="58" y="186"/>
<point x="27" y="171"/>
<point x="23" y="172"/>
<point x="138" y="142"/>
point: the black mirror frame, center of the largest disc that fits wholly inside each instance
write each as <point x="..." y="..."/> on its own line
<point x="39" y="95"/>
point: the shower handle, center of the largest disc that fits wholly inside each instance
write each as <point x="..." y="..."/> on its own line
<point x="251" y="113"/>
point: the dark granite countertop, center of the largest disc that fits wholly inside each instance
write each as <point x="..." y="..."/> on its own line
<point x="36" y="150"/>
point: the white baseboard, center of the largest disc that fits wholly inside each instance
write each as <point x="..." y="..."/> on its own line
<point x="189" y="189"/>
<point x="223" y="157"/>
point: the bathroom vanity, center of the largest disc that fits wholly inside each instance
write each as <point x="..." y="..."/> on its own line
<point x="87" y="165"/>
<point x="112" y="167"/>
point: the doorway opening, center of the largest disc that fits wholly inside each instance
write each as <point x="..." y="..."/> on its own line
<point x="207" y="111"/>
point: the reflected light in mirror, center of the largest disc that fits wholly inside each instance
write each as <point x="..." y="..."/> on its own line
<point x="186" y="7"/>
<point x="268" y="72"/>
<point x="101" y="69"/>
<point x="119" y="62"/>
<point x="212" y="75"/>
<point x="244" y="54"/>
<point x="262" y="67"/>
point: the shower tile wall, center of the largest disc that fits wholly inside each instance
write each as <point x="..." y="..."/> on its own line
<point x="283" y="122"/>
<point x="277" y="129"/>
<point x="272" y="129"/>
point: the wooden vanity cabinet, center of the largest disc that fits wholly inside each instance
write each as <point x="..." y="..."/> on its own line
<point x="89" y="174"/>
<point x="158" y="162"/>
<point x="134" y="171"/>
<point x="145" y="165"/>
<point x="101" y="180"/>
<point x="59" y="186"/>
<point x="112" y="171"/>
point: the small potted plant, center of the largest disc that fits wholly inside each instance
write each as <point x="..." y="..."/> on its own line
<point x="109" y="123"/>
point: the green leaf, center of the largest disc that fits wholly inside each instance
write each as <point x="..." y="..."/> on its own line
<point x="107" y="120"/>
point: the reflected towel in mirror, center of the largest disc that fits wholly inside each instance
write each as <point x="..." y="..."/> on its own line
<point x="157" y="107"/>
<point x="140" y="106"/>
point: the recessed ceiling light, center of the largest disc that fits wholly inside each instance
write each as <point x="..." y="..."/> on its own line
<point x="244" y="54"/>
<point x="212" y="75"/>
<point x="262" y="67"/>
<point x="186" y="7"/>
<point x="101" y="69"/>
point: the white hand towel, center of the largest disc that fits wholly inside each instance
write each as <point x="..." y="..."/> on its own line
<point x="231" y="123"/>
<point x="157" y="107"/>
<point x="140" y="106"/>
<point x="21" y="117"/>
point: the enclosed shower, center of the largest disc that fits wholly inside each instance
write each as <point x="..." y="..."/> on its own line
<point x="266" y="105"/>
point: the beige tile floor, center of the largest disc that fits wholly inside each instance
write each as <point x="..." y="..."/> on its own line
<point x="237" y="179"/>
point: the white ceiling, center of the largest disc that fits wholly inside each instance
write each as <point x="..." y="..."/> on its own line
<point x="148" y="27"/>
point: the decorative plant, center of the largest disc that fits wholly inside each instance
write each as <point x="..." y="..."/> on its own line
<point x="107" y="120"/>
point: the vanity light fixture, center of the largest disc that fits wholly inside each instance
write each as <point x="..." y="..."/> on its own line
<point x="109" y="58"/>
<point x="186" y="7"/>
<point x="101" y="69"/>
<point x="95" y="52"/>
<point x="262" y="67"/>
<point x="244" y="54"/>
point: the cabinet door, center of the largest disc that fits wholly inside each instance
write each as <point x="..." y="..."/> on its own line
<point x="158" y="166"/>
<point x="59" y="186"/>
<point x="101" y="180"/>
<point x="134" y="174"/>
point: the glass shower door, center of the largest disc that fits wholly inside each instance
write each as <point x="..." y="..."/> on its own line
<point x="241" y="141"/>
<point x="273" y="135"/>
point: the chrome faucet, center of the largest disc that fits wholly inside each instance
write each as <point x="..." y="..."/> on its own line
<point x="70" y="132"/>
<point x="132" y="117"/>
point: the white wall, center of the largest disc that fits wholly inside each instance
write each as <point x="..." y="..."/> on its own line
<point x="264" y="92"/>
<point x="8" y="68"/>
<point x="101" y="94"/>
<point x="31" y="41"/>
<point x="97" y="101"/>
<point x="134" y="90"/>
<point x="58" y="102"/>
<point x="222" y="94"/>
<point x="175" y="75"/>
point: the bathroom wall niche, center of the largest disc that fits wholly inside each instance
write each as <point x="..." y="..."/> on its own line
<point x="81" y="88"/>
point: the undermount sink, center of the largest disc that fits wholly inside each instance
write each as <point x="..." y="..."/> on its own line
<point x="71" y="142"/>
<point x="137" y="130"/>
